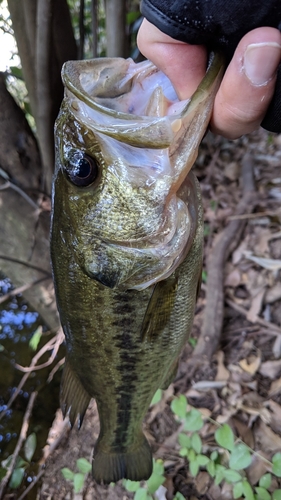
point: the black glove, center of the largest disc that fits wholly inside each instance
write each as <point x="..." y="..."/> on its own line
<point x="220" y="25"/>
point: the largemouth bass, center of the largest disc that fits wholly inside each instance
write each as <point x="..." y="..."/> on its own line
<point x="126" y="244"/>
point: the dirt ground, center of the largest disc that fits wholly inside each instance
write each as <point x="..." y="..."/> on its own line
<point x="241" y="382"/>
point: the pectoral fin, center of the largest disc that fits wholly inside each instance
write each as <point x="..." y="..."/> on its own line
<point x="74" y="399"/>
<point x="159" y="308"/>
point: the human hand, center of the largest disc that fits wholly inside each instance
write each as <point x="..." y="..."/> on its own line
<point x="248" y="84"/>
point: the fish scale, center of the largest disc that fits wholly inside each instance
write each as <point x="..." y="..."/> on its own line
<point x="126" y="266"/>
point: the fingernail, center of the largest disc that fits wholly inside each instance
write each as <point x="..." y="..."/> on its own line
<point x="261" y="61"/>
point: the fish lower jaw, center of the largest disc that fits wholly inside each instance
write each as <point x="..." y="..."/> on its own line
<point x="122" y="267"/>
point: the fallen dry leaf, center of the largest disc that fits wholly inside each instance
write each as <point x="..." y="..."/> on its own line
<point x="251" y="364"/>
<point x="222" y="372"/>
<point x="270" y="368"/>
<point x="267" y="440"/>
<point x="275" y="387"/>
<point x="256" y="306"/>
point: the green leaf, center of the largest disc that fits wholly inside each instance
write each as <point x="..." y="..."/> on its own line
<point x="184" y="440"/>
<point x="67" y="474"/>
<point x="179" y="496"/>
<point x="16" y="72"/>
<point x="131" y="485"/>
<point x="240" y="457"/>
<point x="83" y="465"/>
<point x="141" y="494"/>
<point x="202" y="460"/>
<point x="214" y="455"/>
<point x="265" y="481"/>
<point x="196" y="442"/>
<point x="231" y="476"/>
<point x="157" y="397"/>
<point x="276" y="495"/>
<point x="220" y="470"/>
<point x="179" y="405"/>
<point x="158" y="467"/>
<point x="211" y="468"/>
<point x="184" y="452"/>
<point x="276" y="461"/>
<point x="16" y="477"/>
<point x="194" y="468"/>
<point x="262" y="493"/>
<point x="224" y="437"/>
<point x="192" y="342"/>
<point x="30" y="446"/>
<point x="193" y="420"/>
<point x="191" y="455"/>
<point x="35" y="339"/>
<point x="78" y="482"/>
<point x="2" y="348"/>
<point x="154" y="482"/>
<point x="247" y="490"/>
<point x="238" y="490"/>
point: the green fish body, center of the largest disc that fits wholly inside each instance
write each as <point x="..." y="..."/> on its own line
<point x="126" y="245"/>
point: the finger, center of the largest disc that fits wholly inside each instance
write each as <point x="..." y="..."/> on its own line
<point x="184" y="64"/>
<point x="248" y="84"/>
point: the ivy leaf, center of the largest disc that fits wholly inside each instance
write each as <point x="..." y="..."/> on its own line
<point x="154" y="482"/>
<point x="16" y="477"/>
<point x="141" y="494"/>
<point x="67" y="474"/>
<point x="83" y="465"/>
<point x="179" y="405"/>
<point x="131" y="485"/>
<point x="184" y="440"/>
<point x="158" y="467"/>
<point x="183" y="452"/>
<point x="238" y="490"/>
<point x="247" y="491"/>
<point x="78" y="481"/>
<point x="193" y="420"/>
<point x="211" y="468"/>
<point x="30" y="446"/>
<point x="194" y="468"/>
<point x="240" y="457"/>
<point x="276" y="495"/>
<point x="179" y="496"/>
<point x="202" y="460"/>
<point x="220" y="470"/>
<point x="276" y="461"/>
<point x="265" y="481"/>
<point x="231" y="476"/>
<point x="224" y="437"/>
<point x="262" y="493"/>
<point x="196" y="442"/>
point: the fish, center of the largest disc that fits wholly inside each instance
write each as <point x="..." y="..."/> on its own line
<point x="126" y="244"/>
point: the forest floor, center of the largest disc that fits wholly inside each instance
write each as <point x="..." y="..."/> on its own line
<point x="240" y="384"/>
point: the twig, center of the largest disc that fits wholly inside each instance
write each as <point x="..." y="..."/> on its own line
<point x="16" y="188"/>
<point x="230" y="236"/>
<point x="52" y="343"/>
<point x="21" y="289"/>
<point x="26" y="264"/>
<point x="22" y="437"/>
<point x="52" y="448"/>
<point x="55" y="369"/>
<point x="267" y="324"/>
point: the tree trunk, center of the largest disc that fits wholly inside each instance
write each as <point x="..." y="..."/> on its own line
<point x="45" y="40"/>
<point x="24" y="223"/>
<point x="115" y="15"/>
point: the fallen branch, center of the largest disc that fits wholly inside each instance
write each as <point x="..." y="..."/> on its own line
<point x="275" y="330"/>
<point x="53" y="343"/>
<point x="21" y="289"/>
<point x="229" y="239"/>
<point x="22" y="438"/>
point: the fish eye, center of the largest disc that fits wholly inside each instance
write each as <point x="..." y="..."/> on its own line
<point x="81" y="169"/>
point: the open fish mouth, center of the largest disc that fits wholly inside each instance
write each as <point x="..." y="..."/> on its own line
<point x="148" y="141"/>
